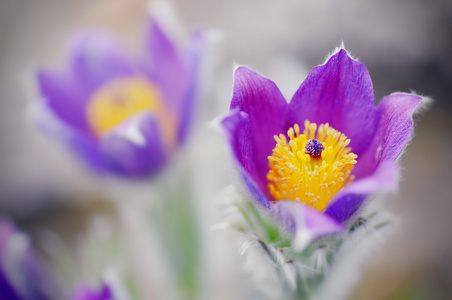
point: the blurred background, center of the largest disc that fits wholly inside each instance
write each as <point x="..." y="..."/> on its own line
<point x="406" y="46"/>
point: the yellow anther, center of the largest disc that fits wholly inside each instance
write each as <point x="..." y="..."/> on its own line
<point x="123" y="98"/>
<point x="326" y="174"/>
<point x="119" y="100"/>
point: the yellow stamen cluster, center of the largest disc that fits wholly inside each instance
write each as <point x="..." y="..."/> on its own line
<point x="296" y="175"/>
<point x="123" y="98"/>
<point x="119" y="100"/>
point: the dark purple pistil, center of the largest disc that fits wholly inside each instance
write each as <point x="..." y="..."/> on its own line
<point x="314" y="148"/>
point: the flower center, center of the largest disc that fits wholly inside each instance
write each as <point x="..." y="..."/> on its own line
<point x="310" y="167"/>
<point x="120" y="99"/>
<point x="314" y="148"/>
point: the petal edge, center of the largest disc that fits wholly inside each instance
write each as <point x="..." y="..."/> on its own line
<point x="339" y="92"/>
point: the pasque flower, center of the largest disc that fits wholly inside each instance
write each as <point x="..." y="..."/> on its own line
<point x="121" y="115"/>
<point x="314" y="160"/>
<point x="21" y="276"/>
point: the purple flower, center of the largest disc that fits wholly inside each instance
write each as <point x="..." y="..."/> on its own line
<point x="85" y="293"/>
<point x="314" y="160"/>
<point x="20" y="274"/>
<point x="120" y="115"/>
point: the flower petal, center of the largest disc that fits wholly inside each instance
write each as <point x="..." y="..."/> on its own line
<point x="79" y="142"/>
<point x="305" y="223"/>
<point x="235" y="129"/>
<point x="20" y="273"/>
<point x="394" y="130"/>
<point x="85" y="293"/>
<point x="262" y="107"/>
<point x="234" y="126"/>
<point x="97" y="59"/>
<point x="167" y="66"/>
<point x="188" y="103"/>
<point x="347" y="202"/>
<point x="340" y="93"/>
<point x="134" y="148"/>
<point x="65" y="97"/>
<point x="256" y="191"/>
<point x="7" y="290"/>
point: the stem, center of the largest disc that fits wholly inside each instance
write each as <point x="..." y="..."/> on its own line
<point x="144" y="256"/>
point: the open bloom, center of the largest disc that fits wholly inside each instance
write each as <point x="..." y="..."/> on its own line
<point x="21" y="277"/>
<point x="121" y="115"/>
<point x="314" y="160"/>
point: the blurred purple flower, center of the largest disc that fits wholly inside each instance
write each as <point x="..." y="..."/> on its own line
<point x="21" y="277"/>
<point x="122" y="116"/>
<point x="333" y="146"/>
<point x="85" y="293"/>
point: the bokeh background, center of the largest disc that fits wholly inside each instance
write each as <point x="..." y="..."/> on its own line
<point x="406" y="45"/>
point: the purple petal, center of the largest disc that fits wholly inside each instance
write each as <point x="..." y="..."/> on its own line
<point x="340" y="93"/>
<point x="305" y="223"/>
<point x="97" y="59"/>
<point x="85" y="293"/>
<point x="234" y="127"/>
<point x="262" y="107"/>
<point x="7" y="290"/>
<point x="188" y="104"/>
<point x="80" y="143"/>
<point x="346" y="203"/>
<point x="395" y="127"/>
<point x="65" y="97"/>
<point x="134" y="148"/>
<point x="167" y="67"/>
<point x="20" y="274"/>
<point x="256" y="192"/>
<point x="7" y="231"/>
